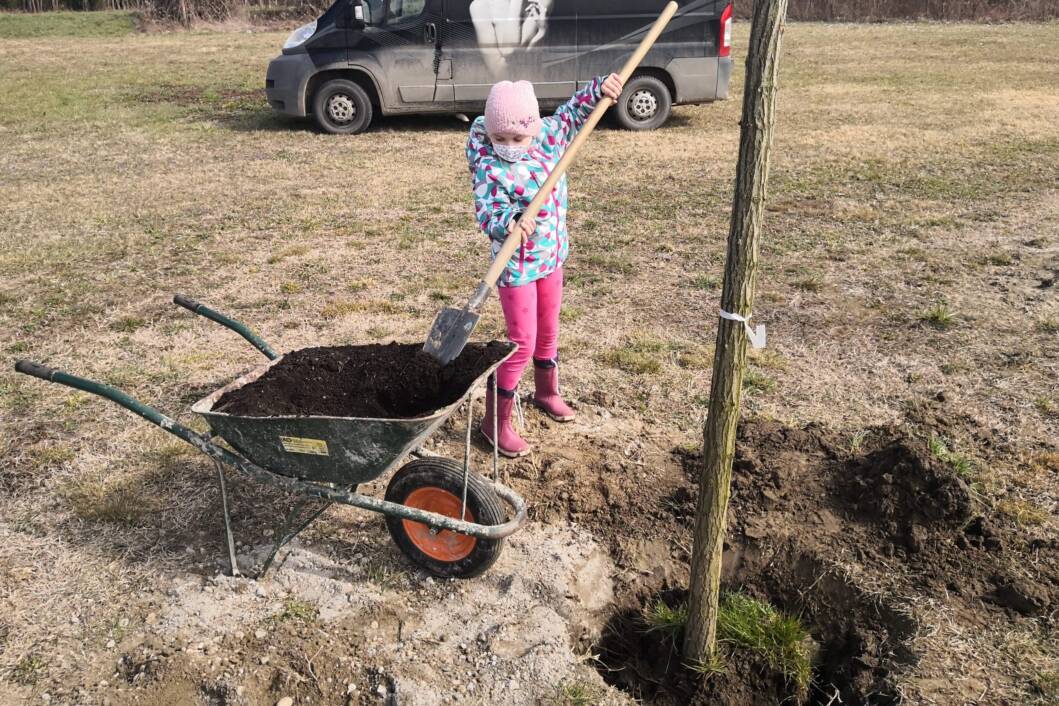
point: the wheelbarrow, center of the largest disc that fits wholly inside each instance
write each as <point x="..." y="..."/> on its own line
<point x="444" y="517"/>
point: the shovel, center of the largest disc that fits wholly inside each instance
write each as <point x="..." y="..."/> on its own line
<point x="452" y="328"/>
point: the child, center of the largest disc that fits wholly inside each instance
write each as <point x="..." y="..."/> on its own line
<point x="511" y="151"/>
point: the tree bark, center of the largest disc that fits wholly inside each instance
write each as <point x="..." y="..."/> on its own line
<point x="759" y="109"/>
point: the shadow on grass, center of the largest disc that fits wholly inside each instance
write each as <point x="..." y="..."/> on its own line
<point x="264" y="119"/>
<point x="245" y="110"/>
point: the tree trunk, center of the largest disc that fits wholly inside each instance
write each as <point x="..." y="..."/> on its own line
<point x="759" y="109"/>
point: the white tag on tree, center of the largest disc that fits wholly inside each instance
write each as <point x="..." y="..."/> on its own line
<point x="756" y="336"/>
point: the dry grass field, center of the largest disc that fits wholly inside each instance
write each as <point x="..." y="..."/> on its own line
<point x="911" y="253"/>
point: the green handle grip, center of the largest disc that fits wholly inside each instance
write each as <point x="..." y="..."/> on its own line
<point x="186" y="302"/>
<point x="28" y="367"/>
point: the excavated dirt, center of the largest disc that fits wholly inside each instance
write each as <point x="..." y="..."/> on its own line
<point x="395" y="381"/>
<point x="847" y="535"/>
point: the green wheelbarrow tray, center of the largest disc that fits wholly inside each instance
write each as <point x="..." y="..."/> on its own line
<point x="323" y="460"/>
<point x="341" y="450"/>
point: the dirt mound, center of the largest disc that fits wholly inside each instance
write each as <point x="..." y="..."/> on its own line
<point x="907" y="490"/>
<point x="395" y="381"/>
<point x="845" y="530"/>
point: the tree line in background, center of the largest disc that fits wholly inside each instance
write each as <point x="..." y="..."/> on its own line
<point x="183" y="11"/>
<point x="881" y="10"/>
<point x="187" y="11"/>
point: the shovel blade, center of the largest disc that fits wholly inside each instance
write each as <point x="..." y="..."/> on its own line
<point x="451" y="330"/>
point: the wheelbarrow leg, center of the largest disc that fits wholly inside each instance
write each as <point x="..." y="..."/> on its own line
<point x="227" y="518"/>
<point x="286" y="534"/>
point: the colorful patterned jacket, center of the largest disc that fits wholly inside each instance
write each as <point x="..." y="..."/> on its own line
<point x="503" y="190"/>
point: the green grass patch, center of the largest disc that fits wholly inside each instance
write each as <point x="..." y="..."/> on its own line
<point x="707" y="283"/>
<point x="759" y="382"/>
<point x="998" y="260"/>
<point x="1022" y="513"/>
<point x="758" y="626"/>
<point x="610" y="264"/>
<point x="1047" y="406"/>
<point x="382" y="574"/>
<point x="50" y="456"/>
<point x="570" y="314"/>
<point x="696" y="358"/>
<point x="1046" y="685"/>
<point x="338" y="309"/>
<point x="645" y="356"/>
<point x="767" y="359"/>
<point x="709" y="667"/>
<point x="810" y="283"/>
<point x="666" y="620"/>
<point x="1049" y="325"/>
<point x="28" y="670"/>
<point x="302" y="611"/>
<point x="14" y="25"/>
<point x="748" y="623"/>
<point x="128" y="324"/>
<point x="358" y="285"/>
<point x="292" y="251"/>
<point x="940" y="316"/>
<point x="577" y="693"/>
<point x="964" y="466"/>
<point x="856" y="441"/>
<point x="640" y="357"/>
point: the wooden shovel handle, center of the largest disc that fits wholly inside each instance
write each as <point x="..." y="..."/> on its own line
<point x="513" y="240"/>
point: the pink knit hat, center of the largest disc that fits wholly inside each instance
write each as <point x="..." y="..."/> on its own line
<point x="512" y="108"/>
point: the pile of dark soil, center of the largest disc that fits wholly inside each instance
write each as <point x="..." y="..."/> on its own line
<point x="392" y="381"/>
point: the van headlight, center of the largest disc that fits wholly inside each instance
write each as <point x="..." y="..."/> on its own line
<point x="298" y="36"/>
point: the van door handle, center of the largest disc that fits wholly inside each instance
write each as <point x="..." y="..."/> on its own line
<point x="431" y="33"/>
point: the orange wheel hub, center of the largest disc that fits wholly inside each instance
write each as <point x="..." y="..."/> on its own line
<point x="441" y="545"/>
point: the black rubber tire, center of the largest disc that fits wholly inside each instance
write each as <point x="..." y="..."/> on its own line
<point x="482" y="503"/>
<point x="351" y="98"/>
<point x="638" y="92"/>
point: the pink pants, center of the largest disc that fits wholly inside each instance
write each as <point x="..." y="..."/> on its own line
<point x="532" y="315"/>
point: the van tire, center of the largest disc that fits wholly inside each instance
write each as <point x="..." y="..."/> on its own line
<point x="644" y="104"/>
<point x="341" y="107"/>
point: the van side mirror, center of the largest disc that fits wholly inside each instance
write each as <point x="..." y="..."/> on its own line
<point x="351" y="15"/>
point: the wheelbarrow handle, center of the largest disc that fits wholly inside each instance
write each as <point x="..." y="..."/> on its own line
<point x="113" y="394"/>
<point x="240" y="328"/>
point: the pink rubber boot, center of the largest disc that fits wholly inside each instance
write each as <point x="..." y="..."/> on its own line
<point x="546" y="396"/>
<point x="510" y="443"/>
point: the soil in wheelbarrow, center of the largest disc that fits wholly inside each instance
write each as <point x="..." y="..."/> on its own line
<point x="393" y="381"/>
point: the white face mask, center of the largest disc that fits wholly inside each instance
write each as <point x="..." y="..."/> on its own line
<point x="510" y="153"/>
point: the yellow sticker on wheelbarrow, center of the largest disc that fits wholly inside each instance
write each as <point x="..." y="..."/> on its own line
<point x="298" y="445"/>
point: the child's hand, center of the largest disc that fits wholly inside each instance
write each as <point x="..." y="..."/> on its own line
<point x="612" y="86"/>
<point x="526" y="228"/>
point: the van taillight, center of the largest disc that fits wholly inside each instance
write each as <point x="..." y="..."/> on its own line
<point x="726" y="32"/>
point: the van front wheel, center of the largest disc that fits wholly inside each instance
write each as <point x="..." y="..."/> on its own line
<point x="341" y="107"/>
<point x="644" y="104"/>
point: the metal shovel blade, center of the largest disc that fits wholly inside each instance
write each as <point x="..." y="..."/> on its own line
<point x="451" y="330"/>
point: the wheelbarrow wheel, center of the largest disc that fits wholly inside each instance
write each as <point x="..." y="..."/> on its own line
<point x="436" y="485"/>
